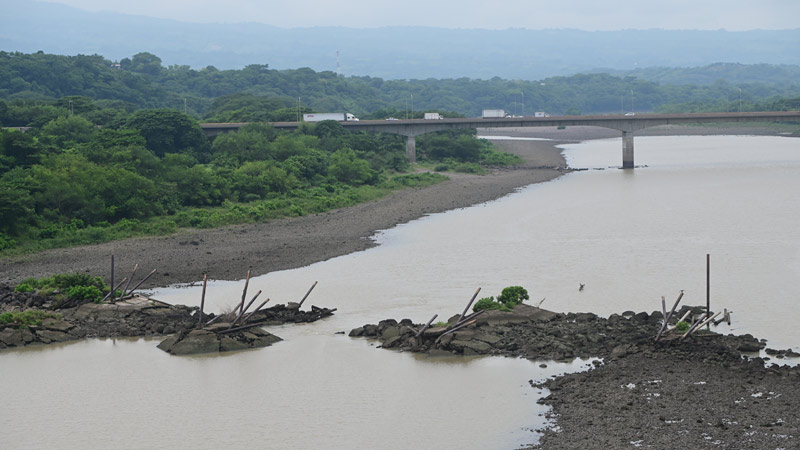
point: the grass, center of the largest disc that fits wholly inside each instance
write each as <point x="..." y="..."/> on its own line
<point x="26" y="318"/>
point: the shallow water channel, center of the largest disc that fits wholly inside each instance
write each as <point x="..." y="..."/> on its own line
<point x="629" y="236"/>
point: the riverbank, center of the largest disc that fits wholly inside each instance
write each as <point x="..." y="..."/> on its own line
<point x="227" y="253"/>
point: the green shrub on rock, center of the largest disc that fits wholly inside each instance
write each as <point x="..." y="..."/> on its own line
<point x="682" y="327"/>
<point x="26" y="318"/>
<point x="91" y="293"/>
<point x="508" y="298"/>
<point x="489" y="303"/>
<point x="513" y="295"/>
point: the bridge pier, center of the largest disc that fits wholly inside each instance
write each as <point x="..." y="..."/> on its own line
<point x="411" y="149"/>
<point x="627" y="149"/>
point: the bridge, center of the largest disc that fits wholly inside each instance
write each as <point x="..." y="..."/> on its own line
<point x="627" y="124"/>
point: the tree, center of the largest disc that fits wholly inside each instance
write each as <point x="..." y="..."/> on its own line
<point x="66" y="131"/>
<point x="16" y="205"/>
<point x="348" y="168"/>
<point x="250" y="143"/>
<point x="147" y="63"/>
<point x="170" y="131"/>
<point x="23" y="148"/>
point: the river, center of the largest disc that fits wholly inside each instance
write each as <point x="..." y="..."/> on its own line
<point x="630" y="236"/>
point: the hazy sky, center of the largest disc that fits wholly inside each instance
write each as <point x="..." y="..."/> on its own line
<point x="731" y="15"/>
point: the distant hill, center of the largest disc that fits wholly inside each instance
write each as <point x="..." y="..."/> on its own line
<point x="393" y="52"/>
<point x="734" y="73"/>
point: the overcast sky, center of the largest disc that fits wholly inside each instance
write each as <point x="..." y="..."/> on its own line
<point x="732" y="15"/>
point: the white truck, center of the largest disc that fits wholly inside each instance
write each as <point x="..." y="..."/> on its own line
<point x="433" y="116"/>
<point x="339" y="117"/>
<point x="494" y="114"/>
<point x="540" y="114"/>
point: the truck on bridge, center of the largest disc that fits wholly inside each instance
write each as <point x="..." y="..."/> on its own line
<point x="339" y="117"/>
<point x="494" y="114"/>
<point x="433" y="116"/>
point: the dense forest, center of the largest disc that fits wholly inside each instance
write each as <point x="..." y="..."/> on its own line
<point x="107" y="164"/>
<point x="115" y="149"/>
<point x="247" y="94"/>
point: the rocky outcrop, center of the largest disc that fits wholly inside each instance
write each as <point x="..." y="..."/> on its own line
<point x="140" y="316"/>
<point x="539" y="334"/>
<point x="136" y="316"/>
<point x="215" y="339"/>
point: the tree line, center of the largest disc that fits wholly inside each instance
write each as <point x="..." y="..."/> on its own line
<point x="232" y="95"/>
<point x="68" y="180"/>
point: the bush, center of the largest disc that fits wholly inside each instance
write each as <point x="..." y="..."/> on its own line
<point x="26" y="318"/>
<point x="24" y="287"/>
<point x="6" y="242"/>
<point x="682" y="327"/>
<point x="92" y="293"/>
<point x="489" y="303"/>
<point x="508" y="298"/>
<point x="513" y="295"/>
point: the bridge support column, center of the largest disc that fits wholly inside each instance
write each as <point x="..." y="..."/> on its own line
<point x="627" y="149"/>
<point x="411" y="149"/>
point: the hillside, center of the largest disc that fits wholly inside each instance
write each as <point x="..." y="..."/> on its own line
<point x="391" y="53"/>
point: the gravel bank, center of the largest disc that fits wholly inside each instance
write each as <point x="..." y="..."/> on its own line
<point x="228" y="253"/>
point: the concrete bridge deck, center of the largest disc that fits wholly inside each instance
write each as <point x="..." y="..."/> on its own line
<point x="626" y="124"/>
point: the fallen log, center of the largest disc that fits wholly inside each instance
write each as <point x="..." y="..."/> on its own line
<point x="422" y="330"/>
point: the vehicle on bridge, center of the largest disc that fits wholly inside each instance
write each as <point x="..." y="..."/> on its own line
<point x="433" y="116"/>
<point x="494" y="114"/>
<point x="339" y="117"/>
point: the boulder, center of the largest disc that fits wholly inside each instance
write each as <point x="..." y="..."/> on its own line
<point x="48" y="336"/>
<point x="211" y="341"/>
<point x="195" y="342"/>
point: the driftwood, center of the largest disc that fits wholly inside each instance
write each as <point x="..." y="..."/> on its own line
<point x="111" y="283"/>
<point x="667" y="316"/>
<point x="143" y="280"/>
<point x="241" y="327"/>
<point x="307" y="293"/>
<point x="247" y="318"/>
<point x="213" y="319"/>
<point x="111" y="292"/>
<point x="456" y="328"/>
<point x="695" y="325"/>
<point x="422" y="330"/>
<point x="245" y="309"/>
<point x="701" y="323"/>
<point x="202" y="301"/>
<point x="469" y="304"/>
<point x="244" y="292"/>
<point x="125" y="289"/>
<point x="469" y="317"/>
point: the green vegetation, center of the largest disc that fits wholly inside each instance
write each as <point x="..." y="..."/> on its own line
<point x="153" y="171"/>
<point x="508" y="298"/>
<point x="115" y="152"/>
<point x="79" y="287"/>
<point x="682" y="327"/>
<point x="26" y="318"/>
<point x="257" y="93"/>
